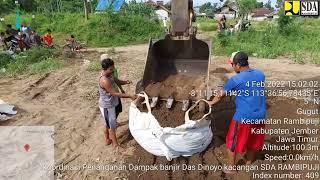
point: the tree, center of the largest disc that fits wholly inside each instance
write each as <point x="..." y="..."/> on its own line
<point x="208" y="8"/>
<point x="245" y="7"/>
<point x="226" y="2"/>
<point x="259" y="5"/>
<point x="167" y="5"/>
<point x="85" y="7"/>
<point x="138" y="9"/>
<point x="279" y="4"/>
<point x="6" y="6"/>
<point x="268" y="5"/>
<point x="9" y="5"/>
<point x="284" y="22"/>
<point x="204" y="7"/>
<point x="27" y="5"/>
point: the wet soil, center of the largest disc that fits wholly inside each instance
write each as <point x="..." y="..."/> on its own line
<point x="179" y="87"/>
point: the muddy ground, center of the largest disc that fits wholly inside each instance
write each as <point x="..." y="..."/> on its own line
<point x="179" y="87"/>
<point x="67" y="100"/>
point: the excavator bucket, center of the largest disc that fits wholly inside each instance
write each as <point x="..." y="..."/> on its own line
<point x="167" y="57"/>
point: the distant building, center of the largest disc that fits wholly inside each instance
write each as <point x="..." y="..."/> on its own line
<point x="261" y="14"/>
<point x="152" y="3"/>
<point x="161" y="11"/>
<point x="157" y="6"/>
<point x="201" y="15"/>
<point x="230" y="11"/>
<point x="160" y="3"/>
<point x="273" y="15"/>
<point x="204" y="15"/>
<point x="163" y="15"/>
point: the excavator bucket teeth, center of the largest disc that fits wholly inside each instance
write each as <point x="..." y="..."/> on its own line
<point x="169" y="57"/>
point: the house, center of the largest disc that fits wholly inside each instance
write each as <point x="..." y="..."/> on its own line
<point x="201" y="15"/>
<point x="159" y="7"/>
<point x="160" y="3"/>
<point x="260" y="14"/>
<point x="273" y="15"/>
<point x="230" y="11"/>
<point x="162" y="12"/>
<point x="204" y="15"/>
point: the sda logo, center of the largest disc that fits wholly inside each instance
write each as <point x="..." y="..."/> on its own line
<point x="302" y="8"/>
<point x="309" y="8"/>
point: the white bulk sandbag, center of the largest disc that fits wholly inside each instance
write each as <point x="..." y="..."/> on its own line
<point x="185" y="140"/>
<point x="6" y="111"/>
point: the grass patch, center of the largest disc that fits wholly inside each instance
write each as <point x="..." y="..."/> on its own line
<point x="46" y="66"/>
<point x="94" y="66"/>
<point x="298" y="57"/>
<point x="268" y="40"/>
<point x="4" y="59"/>
<point x="101" y="30"/>
<point x="34" y="61"/>
<point x="207" y="24"/>
<point x="315" y="57"/>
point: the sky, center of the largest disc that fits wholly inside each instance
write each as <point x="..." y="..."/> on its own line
<point x="200" y="2"/>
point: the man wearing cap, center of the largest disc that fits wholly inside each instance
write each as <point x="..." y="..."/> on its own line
<point x="250" y="110"/>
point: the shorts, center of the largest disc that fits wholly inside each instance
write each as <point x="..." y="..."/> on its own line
<point x="110" y="115"/>
<point x="240" y="137"/>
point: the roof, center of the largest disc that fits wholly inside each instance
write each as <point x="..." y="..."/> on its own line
<point x="150" y="2"/>
<point x="160" y="3"/>
<point x="157" y="6"/>
<point x="261" y="12"/>
<point x="231" y="5"/>
<point x="227" y="10"/>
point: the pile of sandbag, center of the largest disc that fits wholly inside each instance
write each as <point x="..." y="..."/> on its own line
<point x="192" y="137"/>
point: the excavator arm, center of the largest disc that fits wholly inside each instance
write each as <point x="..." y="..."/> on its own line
<point x="179" y="54"/>
<point x="182" y="16"/>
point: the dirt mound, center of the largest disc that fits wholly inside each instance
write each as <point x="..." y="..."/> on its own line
<point x="196" y="113"/>
<point x="220" y="70"/>
<point x="172" y="117"/>
<point x="179" y="87"/>
<point x="176" y="86"/>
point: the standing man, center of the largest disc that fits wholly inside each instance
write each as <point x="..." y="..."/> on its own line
<point x="250" y="110"/>
<point x="109" y="101"/>
<point x="222" y="24"/>
<point x="2" y="41"/>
